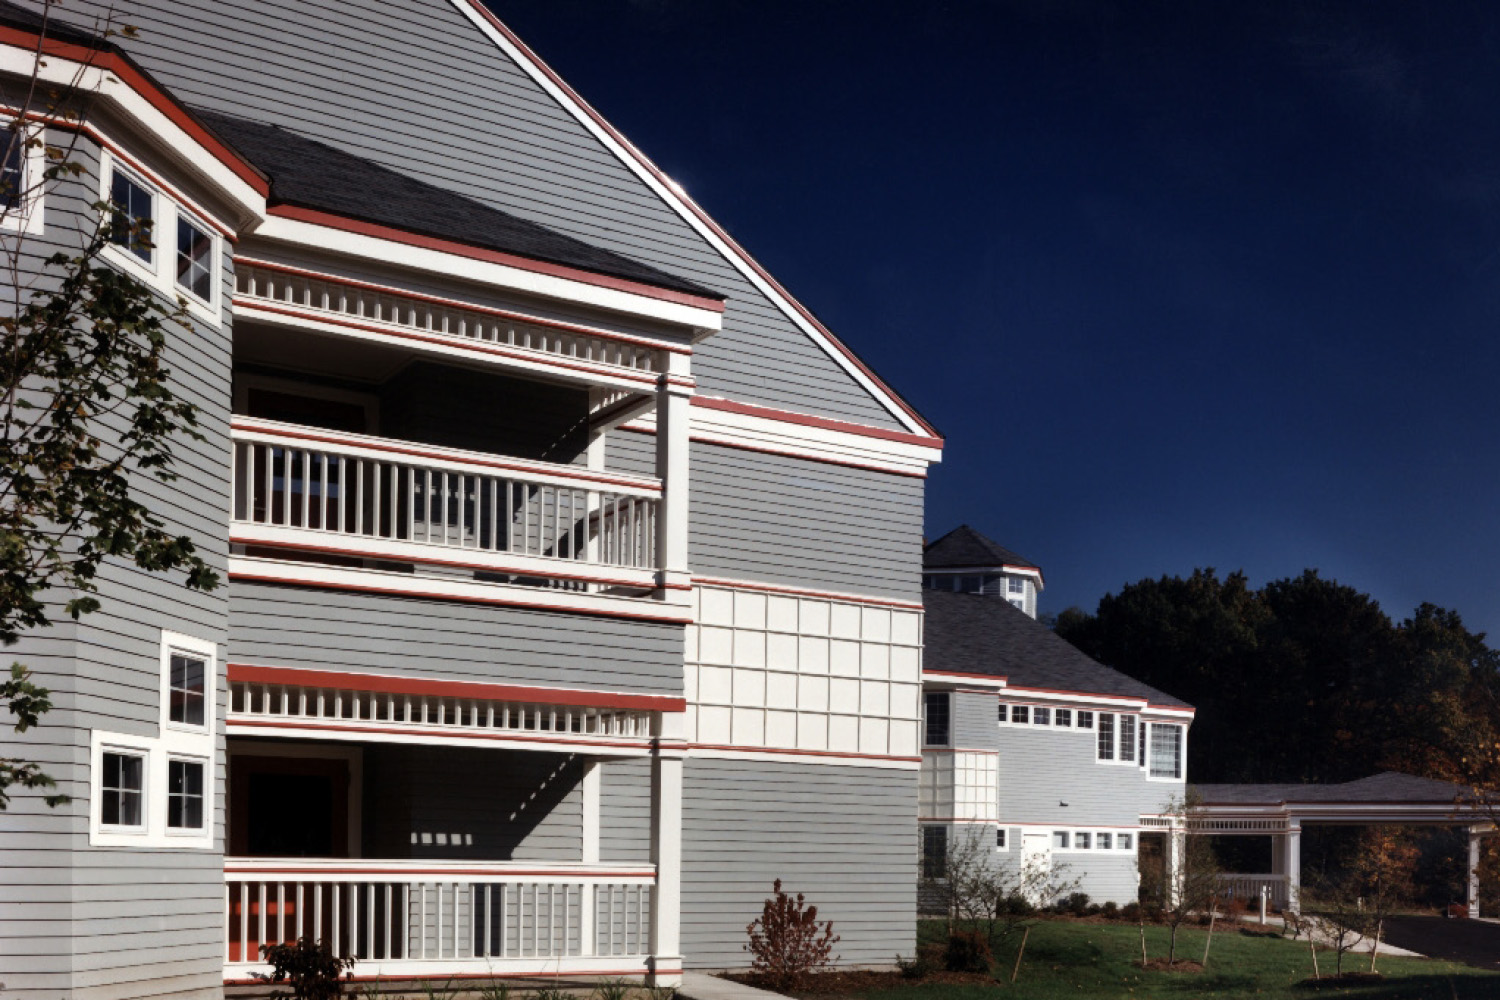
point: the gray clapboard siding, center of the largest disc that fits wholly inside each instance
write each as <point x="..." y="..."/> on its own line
<point x="110" y="922"/>
<point x="334" y="630"/>
<point x="748" y="823"/>
<point x="475" y="805"/>
<point x="975" y="720"/>
<point x="625" y="811"/>
<point x="1040" y="767"/>
<point x="417" y="87"/>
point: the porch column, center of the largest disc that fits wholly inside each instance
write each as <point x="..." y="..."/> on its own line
<point x="674" y="395"/>
<point x="1174" y="850"/>
<point x="1292" y="845"/>
<point x="1473" y="880"/>
<point x="586" y="907"/>
<point x="666" y="852"/>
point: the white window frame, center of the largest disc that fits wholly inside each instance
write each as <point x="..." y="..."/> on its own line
<point x="180" y="832"/>
<point x="187" y="645"/>
<point x="1062" y="840"/>
<point x="1129" y="844"/>
<point x="1041" y="715"/>
<point x="1099" y="840"/>
<point x="161" y="272"/>
<point x="1182" y="738"/>
<point x="29" y="218"/>
<point x="1001" y="839"/>
<point x="124" y="747"/>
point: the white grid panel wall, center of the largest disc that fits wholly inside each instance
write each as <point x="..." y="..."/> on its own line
<point x="803" y="673"/>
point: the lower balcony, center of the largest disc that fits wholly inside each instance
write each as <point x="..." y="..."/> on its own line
<point x="423" y="918"/>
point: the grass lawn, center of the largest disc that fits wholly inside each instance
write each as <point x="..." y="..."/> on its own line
<point x="1065" y="959"/>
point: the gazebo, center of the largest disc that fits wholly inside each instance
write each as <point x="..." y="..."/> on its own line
<point x="1282" y="811"/>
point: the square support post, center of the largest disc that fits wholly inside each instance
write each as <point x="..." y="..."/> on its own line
<point x="674" y="396"/>
<point x="1294" y="866"/>
<point x="590" y="854"/>
<point x="665" y="961"/>
<point x="1472" y="883"/>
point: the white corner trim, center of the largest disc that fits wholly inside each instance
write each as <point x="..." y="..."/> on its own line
<point x="454" y="265"/>
<point x="677" y="200"/>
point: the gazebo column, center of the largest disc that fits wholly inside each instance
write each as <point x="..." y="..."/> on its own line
<point x="1286" y="859"/>
<point x="1473" y="881"/>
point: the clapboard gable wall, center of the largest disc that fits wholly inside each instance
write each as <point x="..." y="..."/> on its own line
<point x="418" y="87"/>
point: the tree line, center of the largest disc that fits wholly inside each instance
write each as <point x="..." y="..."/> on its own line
<point x="1304" y="679"/>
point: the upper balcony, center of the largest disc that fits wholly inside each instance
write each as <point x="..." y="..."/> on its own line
<point x="386" y="439"/>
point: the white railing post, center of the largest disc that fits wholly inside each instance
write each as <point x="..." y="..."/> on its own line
<point x="674" y="397"/>
<point x="665" y="960"/>
<point x="590" y="790"/>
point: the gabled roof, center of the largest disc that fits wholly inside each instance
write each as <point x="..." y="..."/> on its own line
<point x="1388" y="786"/>
<point x="964" y="547"/>
<point x="312" y="174"/>
<point x="973" y="634"/>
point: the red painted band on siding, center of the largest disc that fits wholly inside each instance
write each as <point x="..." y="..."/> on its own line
<point x="484" y="690"/>
<point x="805" y="753"/>
<point x="458" y="734"/>
<point x="346" y="224"/>
<point x="808" y="420"/>
<point x="402" y="293"/>
<point x="457" y="564"/>
<point x="702" y="216"/>
<point x="481" y="347"/>
<point x="771" y="588"/>
<point x="467" y="599"/>
<point x="145" y="87"/>
<point x="248" y="424"/>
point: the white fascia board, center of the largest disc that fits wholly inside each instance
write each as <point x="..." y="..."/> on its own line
<point x="374" y="248"/>
<point x="359" y="731"/>
<point x="801" y="440"/>
<point x="169" y="137"/>
<point x="676" y="199"/>
<point x="672" y="610"/>
<point x="939" y="680"/>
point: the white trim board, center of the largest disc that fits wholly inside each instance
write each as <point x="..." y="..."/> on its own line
<point x="677" y="199"/>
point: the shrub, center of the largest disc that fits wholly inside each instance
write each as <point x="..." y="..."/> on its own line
<point x="1235" y="909"/>
<point x="788" y="941"/>
<point x="916" y="967"/>
<point x="1076" y="903"/>
<point x="312" y="971"/>
<point x="1131" y="912"/>
<point x="1110" y="910"/>
<point x="1017" y="905"/>
<point x="1093" y="909"/>
<point x="967" y="951"/>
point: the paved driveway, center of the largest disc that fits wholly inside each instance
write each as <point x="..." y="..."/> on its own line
<point x="1473" y="942"/>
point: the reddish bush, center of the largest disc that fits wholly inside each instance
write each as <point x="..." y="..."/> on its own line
<point x="967" y="951"/>
<point x="788" y="941"/>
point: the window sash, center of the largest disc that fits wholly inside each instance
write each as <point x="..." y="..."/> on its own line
<point x="185" y="794"/>
<point x="187" y="695"/>
<point x="938" y="727"/>
<point x="133" y="201"/>
<point x="1166" y="750"/>
<point x="122" y="790"/>
<point x="1106" y="740"/>
<point x="195" y="254"/>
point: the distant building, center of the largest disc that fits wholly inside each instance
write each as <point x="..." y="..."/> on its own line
<point x="1027" y="741"/>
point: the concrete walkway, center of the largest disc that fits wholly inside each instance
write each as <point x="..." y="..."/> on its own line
<point x="702" y="986"/>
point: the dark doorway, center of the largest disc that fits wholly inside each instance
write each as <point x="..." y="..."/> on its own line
<point x="288" y="807"/>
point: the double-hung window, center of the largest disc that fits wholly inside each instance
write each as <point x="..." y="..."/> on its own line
<point x="1127" y="739"/>
<point x="938" y="726"/>
<point x="134" y="215"/>
<point x="122" y="790"/>
<point x="1166" y="751"/>
<point x="1015" y="585"/>
<point x="1106" y="742"/>
<point x="195" y="259"/>
<point x="186" y="694"/>
<point x="934" y="851"/>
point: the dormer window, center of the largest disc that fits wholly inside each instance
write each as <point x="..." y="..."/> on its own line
<point x="1015" y="585"/>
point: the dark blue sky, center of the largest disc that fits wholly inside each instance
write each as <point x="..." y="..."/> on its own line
<point x="1186" y="284"/>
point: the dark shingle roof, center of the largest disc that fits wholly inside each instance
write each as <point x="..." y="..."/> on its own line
<point x="13" y="15"/>
<point x="963" y="546"/>
<point x="972" y="634"/>
<point x="312" y="174"/>
<point x="1388" y="786"/>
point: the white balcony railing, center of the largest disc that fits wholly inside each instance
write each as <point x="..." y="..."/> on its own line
<point x="262" y="704"/>
<point x="412" y="918"/>
<point x="572" y="347"/>
<point x="1248" y="888"/>
<point x="357" y="495"/>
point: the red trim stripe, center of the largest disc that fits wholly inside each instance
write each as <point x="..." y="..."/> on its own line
<point x="137" y="81"/>
<point x="702" y="216"/>
<point x="808" y="420"/>
<point x="391" y="684"/>
<point x="346" y="224"/>
<point x="586" y="331"/>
